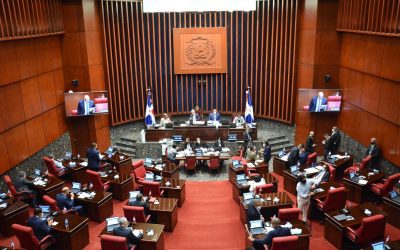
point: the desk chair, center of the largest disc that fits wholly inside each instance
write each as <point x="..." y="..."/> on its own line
<point x="137" y="164"/>
<point x="371" y="229"/>
<point x="153" y="187"/>
<point x="250" y="172"/>
<point x="140" y="174"/>
<point x="53" y="204"/>
<point x="385" y="186"/>
<point x="137" y="212"/>
<point x="289" y="214"/>
<point x="284" y="243"/>
<point x="312" y="158"/>
<point x="190" y="164"/>
<point x="98" y="184"/>
<point x="359" y="166"/>
<point x="335" y="200"/>
<point x="213" y="164"/>
<point x="53" y="169"/>
<point x="238" y="156"/>
<point x="22" y="195"/>
<point x="28" y="240"/>
<point x="265" y="188"/>
<point x="111" y="242"/>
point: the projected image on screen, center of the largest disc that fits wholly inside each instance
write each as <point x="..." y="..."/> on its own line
<point x="320" y="100"/>
<point x="86" y="103"/>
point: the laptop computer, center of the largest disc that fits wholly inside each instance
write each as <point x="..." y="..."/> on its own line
<point x="354" y="177"/>
<point x="133" y="195"/>
<point x="236" y="164"/>
<point x="45" y="211"/>
<point x="256" y="227"/>
<point x="394" y="196"/>
<point x="248" y="197"/>
<point x="148" y="162"/>
<point x="36" y="174"/>
<point x="68" y="155"/>
<point x="112" y="223"/>
<point x="340" y="217"/>
<point x="295" y="170"/>
<point x="378" y="246"/>
<point x="241" y="179"/>
<point x="76" y="187"/>
<point x="149" y="177"/>
<point x="232" y="137"/>
<point x="110" y="150"/>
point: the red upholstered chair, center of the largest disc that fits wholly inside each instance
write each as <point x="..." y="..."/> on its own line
<point x="289" y="214"/>
<point x="336" y="199"/>
<point x="238" y="156"/>
<point x="265" y="189"/>
<point x="385" y="186"/>
<point x="140" y="174"/>
<point x="306" y="108"/>
<point x="359" y="166"/>
<point x="53" y="169"/>
<point x="28" y="240"/>
<point x="371" y="229"/>
<point x="74" y="112"/>
<point x="213" y="164"/>
<point x="137" y="164"/>
<point x="137" y="212"/>
<point x="153" y="187"/>
<point x="53" y="205"/>
<point x="334" y="102"/>
<point x="111" y="242"/>
<point x="98" y="184"/>
<point x="101" y="104"/>
<point x="190" y="164"/>
<point x="251" y="172"/>
<point x="312" y="158"/>
<point x="284" y="243"/>
<point x="22" y="195"/>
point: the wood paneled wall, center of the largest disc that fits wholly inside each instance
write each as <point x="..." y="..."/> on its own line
<point x="21" y="19"/>
<point x="378" y="17"/>
<point x="262" y="48"/>
<point x="32" y="97"/>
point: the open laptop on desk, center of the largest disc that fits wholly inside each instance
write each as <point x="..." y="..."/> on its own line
<point x="256" y="227"/>
<point x="248" y="197"/>
<point x="148" y="162"/>
<point x="241" y="179"/>
<point x="149" y="177"/>
<point x="76" y="187"/>
<point x="112" y="223"/>
<point x="354" y="177"/>
<point x="236" y="164"/>
<point x="68" y="155"/>
<point x="378" y="246"/>
<point x="110" y="150"/>
<point x="36" y="174"/>
<point x="45" y="211"/>
<point x="295" y="170"/>
<point x="133" y="195"/>
<point x="394" y="196"/>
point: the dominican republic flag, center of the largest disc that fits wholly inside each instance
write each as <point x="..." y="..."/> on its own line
<point x="249" y="109"/>
<point x="149" y="119"/>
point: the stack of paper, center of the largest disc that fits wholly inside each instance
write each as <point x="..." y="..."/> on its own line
<point x="362" y="182"/>
<point x="295" y="231"/>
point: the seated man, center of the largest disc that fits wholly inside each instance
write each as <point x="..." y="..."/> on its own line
<point x="188" y="144"/>
<point x="294" y="155"/>
<point x="126" y="232"/>
<point x="21" y="184"/>
<point x="140" y="202"/>
<point x="93" y="156"/>
<point x="214" y="116"/>
<point x="58" y="164"/>
<point x="41" y="228"/>
<point x="253" y="212"/>
<point x="257" y="181"/>
<point x="251" y="154"/>
<point x="172" y="154"/>
<point x="165" y="120"/>
<point x="277" y="231"/>
<point x="194" y="117"/>
<point x="219" y="144"/>
<point x="199" y="143"/>
<point x="322" y="176"/>
<point x="65" y="200"/>
<point x="239" y="120"/>
<point x="86" y="106"/>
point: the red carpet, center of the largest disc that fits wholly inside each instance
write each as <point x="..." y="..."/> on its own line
<point x="209" y="219"/>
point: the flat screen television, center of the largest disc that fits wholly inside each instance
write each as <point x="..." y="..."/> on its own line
<point x="86" y="103"/>
<point x="320" y="100"/>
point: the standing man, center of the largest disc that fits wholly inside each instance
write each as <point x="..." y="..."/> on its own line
<point x="327" y="146"/>
<point x="304" y="194"/>
<point x="214" y="116"/>
<point x="267" y="152"/>
<point x="310" y="144"/>
<point x="294" y="156"/>
<point x="65" y="200"/>
<point x="93" y="157"/>
<point x="246" y="138"/>
<point x="336" y="139"/>
<point x="86" y="106"/>
<point x="318" y="103"/>
<point x="374" y="152"/>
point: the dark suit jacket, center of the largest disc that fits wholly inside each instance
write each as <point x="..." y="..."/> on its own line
<point x="198" y="117"/>
<point x="334" y="142"/>
<point x="217" y="117"/>
<point x="199" y="145"/>
<point x="143" y="204"/>
<point x="267" y="154"/>
<point x="313" y="104"/>
<point x="63" y="201"/>
<point x="216" y="144"/>
<point x="22" y="184"/>
<point x="186" y="144"/>
<point x="325" y="177"/>
<point x="252" y="213"/>
<point x="81" y="106"/>
<point x="309" y="145"/>
<point x="303" y="158"/>
<point x="277" y="232"/>
<point x="128" y="234"/>
<point x="375" y="153"/>
<point x="293" y="157"/>
<point x="40" y="227"/>
<point x="93" y="159"/>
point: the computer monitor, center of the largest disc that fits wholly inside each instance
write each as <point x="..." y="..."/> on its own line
<point x="378" y="245"/>
<point x="76" y="185"/>
<point x="240" y="177"/>
<point x="256" y="223"/>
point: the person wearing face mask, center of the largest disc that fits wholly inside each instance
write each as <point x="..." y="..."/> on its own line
<point x="310" y="145"/>
<point x="374" y="152"/>
<point x="194" y="117"/>
<point x="188" y="144"/>
<point x="198" y="143"/>
<point x="214" y="116"/>
<point x="336" y="139"/>
<point x="318" y="103"/>
<point x="266" y="152"/>
<point x="219" y="144"/>
<point x="304" y="193"/>
<point x="253" y="212"/>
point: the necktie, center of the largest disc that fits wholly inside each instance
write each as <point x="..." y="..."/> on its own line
<point x="318" y="103"/>
<point x="215" y="117"/>
<point x="86" y="108"/>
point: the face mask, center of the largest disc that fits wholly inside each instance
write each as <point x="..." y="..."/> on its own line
<point x="372" y="143"/>
<point x="304" y="181"/>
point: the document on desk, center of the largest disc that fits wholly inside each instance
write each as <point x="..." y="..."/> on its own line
<point x="288" y="225"/>
<point x="284" y="158"/>
<point x="311" y="170"/>
<point x="136" y="232"/>
<point x="39" y="183"/>
<point x="84" y="164"/>
<point x="295" y="231"/>
<point x="362" y="182"/>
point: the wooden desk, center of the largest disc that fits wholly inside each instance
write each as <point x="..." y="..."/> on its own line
<point x="206" y="133"/>
<point x="394" y="245"/>
<point x="392" y="208"/>
<point x="15" y="212"/>
<point x="166" y="212"/>
<point x="320" y="195"/>
<point x="52" y="187"/>
<point x="222" y="156"/>
<point x="121" y="161"/>
<point x="155" y="242"/>
<point x="120" y="187"/>
<point x="176" y="189"/>
<point x="239" y="133"/>
<point x="170" y="170"/>
<point x="76" y="237"/>
<point x="304" y="238"/>
<point x="278" y="165"/>
<point x="341" y="165"/>
<point x="334" y="231"/>
<point x="261" y="168"/>
<point x="358" y="193"/>
<point x="99" y="207"/>
<point x="158" y="134"/>
<point x="78" y="173"/>
<point x="238" y="190"/>
<point x="269" y="208"/>
<point x="290" y="180"/>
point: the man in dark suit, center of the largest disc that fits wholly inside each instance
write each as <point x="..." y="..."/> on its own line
<point x="93" y="157"/>
<point x="214" y="116"/>
<point x="318" y="103"/>
<point x="374" y="152"/>
<point x="335" y="139"/>
<point x="266" y="152"/>
<point x="303" y="156"/>
<point x="294" y="156"/>
<point x="86" y="106"/>
<point x="194" y="116"/>
<point x="310" y="145"/>
<point x="65" y="202"/>
<point x="126" y="232"/>
<point x="140" y="202"/>
<point x="277" y="232"/>
<point x="246" y="139"/>
<point x="219" y="144"/>
<point x="253" y="213"/>
<point x="21" y="184"/>
<point x="327" y="146"/>
<point x="41" y="228"/>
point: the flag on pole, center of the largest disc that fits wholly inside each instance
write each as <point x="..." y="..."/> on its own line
<point x="149" y="118"/>
<point x="249" y="117"/>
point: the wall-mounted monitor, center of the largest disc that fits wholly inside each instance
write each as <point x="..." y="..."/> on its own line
<point x="86" y="103"/>
<point x="320" y="100"/>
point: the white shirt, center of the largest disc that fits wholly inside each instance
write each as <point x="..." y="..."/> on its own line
<point x="254" y="184"/>
<point x="304" y="189"/>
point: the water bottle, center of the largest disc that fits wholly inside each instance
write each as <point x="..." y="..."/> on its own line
<point x="66" y="222"/>
<point x="133" y="220"/>
<point x="90" y="185"/>
<point x="387" y="239"/>
<point x="12" y="245"/>
<point x="78" y="156"/>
